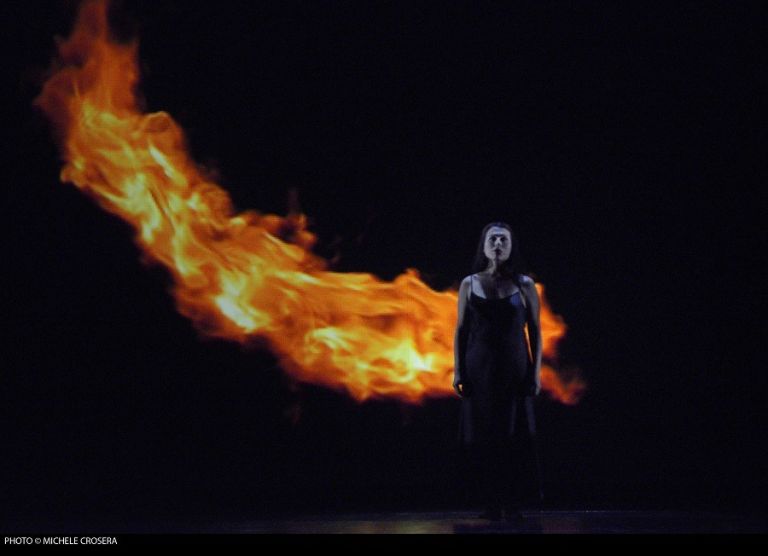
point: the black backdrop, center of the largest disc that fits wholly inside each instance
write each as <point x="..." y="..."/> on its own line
<point x="619" y="141"/>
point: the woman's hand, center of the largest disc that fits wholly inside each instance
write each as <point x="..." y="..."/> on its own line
<point x="533" y="389"/>
<point x="463" y="389"/>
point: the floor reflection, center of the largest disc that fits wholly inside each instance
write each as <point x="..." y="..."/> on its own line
<point x="451" y="522"/>
<point x="553" y="522"/>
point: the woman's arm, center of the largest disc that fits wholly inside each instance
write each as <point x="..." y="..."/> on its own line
<point x="460" y="340"/>
<point x="534" y="326"/>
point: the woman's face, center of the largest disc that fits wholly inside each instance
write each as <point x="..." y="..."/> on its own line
<point x="498" y="243"/>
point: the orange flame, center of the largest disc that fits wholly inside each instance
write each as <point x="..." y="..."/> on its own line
<point x="232" y="274"/>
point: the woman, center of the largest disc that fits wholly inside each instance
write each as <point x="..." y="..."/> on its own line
<point x="496" y="371"/>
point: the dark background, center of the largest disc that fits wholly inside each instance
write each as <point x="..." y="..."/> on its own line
<point x="621" y="143"/>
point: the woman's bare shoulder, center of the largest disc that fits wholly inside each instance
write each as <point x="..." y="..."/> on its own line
<point x="466" y="283"/>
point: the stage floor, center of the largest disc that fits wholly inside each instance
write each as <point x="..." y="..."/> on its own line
<point x="543" y="522"/>
<point x="450" y="522"/>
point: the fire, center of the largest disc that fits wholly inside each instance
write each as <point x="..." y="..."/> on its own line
<point x="234" y="276"/>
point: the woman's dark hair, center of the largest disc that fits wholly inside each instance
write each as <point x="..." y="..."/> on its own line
<point x="513" y="267"/>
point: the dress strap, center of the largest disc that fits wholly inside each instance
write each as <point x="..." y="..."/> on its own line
<point x="522" y="295"/>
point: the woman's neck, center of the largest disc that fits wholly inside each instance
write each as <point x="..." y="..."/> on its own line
<point x="494" y="270"/>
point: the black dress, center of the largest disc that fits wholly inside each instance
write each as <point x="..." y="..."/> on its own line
<point x="498" y="412"/>
<point x="498" y="368"/>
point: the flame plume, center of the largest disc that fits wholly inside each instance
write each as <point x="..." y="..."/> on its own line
<point x="233" y="276"/>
